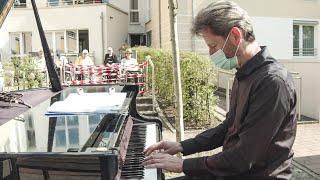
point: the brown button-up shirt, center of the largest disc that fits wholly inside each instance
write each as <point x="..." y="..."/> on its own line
<point x="259" y="130"/>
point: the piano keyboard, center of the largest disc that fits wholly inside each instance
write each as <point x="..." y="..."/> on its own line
<point x="142" y="136"/>
<point x="150" y="140"/>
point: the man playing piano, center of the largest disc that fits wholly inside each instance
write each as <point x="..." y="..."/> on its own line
<point x="259" y="130"/>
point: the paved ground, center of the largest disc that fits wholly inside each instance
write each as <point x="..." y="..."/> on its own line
<point x="306" y="148"/>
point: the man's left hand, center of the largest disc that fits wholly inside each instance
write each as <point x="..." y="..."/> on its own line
<point x="164" y="161"/>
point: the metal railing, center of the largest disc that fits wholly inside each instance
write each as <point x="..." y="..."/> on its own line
<point x="72" y="57"/>
<point x="305" y="52"/>
<point x="59" y="3"/>
<point x="19" y="5"/>
<point x="153" y="91"/>
<point x="295" y="76"/>
<point x="73" y="2"/>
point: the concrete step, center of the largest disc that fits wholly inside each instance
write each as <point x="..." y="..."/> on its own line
<point x="221" y="92"/>
<point x="144" y="107"/>
<point x="144" y="100"/>
<point x="148" y="113"/>
<point x="220" y="113"/>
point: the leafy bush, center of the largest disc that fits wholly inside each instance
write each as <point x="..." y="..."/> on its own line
<point x="198" y="83"/>
<point x="25" y="73"/>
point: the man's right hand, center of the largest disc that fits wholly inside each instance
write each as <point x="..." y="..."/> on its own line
<point x="167" y="147"/>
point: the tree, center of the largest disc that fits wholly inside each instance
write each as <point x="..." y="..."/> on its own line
<point x="176" y="68"/>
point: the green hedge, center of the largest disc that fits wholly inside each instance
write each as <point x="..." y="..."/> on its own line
<point x="25" y="73"/>
<point x="198" y="83"/>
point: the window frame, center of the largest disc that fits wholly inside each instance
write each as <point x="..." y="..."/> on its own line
<point x="135" y="10"/>
<point x="22" y="43"/>
<point x="301" y="24"/>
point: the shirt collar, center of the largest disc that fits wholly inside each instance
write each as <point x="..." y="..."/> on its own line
<point x="262" y="58"/>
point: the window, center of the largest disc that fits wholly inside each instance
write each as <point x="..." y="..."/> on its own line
<point x="53" y="2"/>
<point x="83" y="40"/>
<point x="67" y="132"/>
<point x="60" y="42"/>
<point x="72" y="41"/>
<point x="20" y="4"/>
<point x="94" y="120"/>
<point x="137" y="40"/>
<point x="149" y="38"/>
<point x="134" y="4"/>
<point x="27" y="42"/>
<point x="65" y="41"/>
<point x="20" y="43"/>
<point x="30" y="133"/>
<point x="134" y="17"/>
<point x="134" y="11"/>
<point x="15" y="43"/>
<point x="304" y="40"/>
<point x="73" y="130"/>
<point x="3" y="4"/>
<point x="49" y="40"/>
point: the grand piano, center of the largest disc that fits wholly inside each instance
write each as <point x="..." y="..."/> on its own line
<point x="88" y="146"/>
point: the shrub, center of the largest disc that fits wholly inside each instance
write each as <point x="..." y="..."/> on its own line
<point x="198" y="83"/>
<point x="25" y="73"/>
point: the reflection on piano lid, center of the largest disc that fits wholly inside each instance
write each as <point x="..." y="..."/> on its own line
<point x="88" y="103"/>
<point x="100" y="146"/>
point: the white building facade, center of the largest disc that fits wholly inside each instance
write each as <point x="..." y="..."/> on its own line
<point x="69" y="26"/>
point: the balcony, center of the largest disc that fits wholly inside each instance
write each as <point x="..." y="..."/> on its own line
<point x="309" y="52"/>
<point x="58" y="3"/>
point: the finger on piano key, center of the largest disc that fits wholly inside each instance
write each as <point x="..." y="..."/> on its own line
<point x="152" y="148"/>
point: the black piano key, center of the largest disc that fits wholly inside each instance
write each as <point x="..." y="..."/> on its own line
<point x="133" y="168"/>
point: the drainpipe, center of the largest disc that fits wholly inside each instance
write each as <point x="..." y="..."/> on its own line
<point x="160" y="36"/>
<point x="102" y="34"/>
<point x="193" y="40"/>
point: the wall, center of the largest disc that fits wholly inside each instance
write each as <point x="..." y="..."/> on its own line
<point x="309" y="72"/>
<point x="139" y="28"/>
<point x="117" y="29"/>
<point x="154" y="24"/>
<point x="122" y="4"/>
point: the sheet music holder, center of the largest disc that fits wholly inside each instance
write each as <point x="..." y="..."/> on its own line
<point x="88" y="103"/>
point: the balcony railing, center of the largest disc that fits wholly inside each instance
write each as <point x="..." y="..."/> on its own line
<point x="305" y="52"/>
<point x="74" y="2"/>
<point x="19" y="5"/>
<point x="59" y="3"/>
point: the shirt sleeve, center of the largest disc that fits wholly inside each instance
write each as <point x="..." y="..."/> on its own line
<point x="207" y="140"/>
<point x="268" y="107"/>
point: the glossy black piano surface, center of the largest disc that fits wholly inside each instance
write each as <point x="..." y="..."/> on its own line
<point x="35" y="146"/>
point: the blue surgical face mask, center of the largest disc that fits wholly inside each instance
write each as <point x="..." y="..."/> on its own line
<point x="220" y="60"/>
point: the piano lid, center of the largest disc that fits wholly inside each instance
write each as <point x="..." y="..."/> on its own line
<point x="32" y="131"/>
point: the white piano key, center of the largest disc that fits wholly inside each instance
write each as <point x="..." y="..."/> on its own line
<point x="151" y="138"/>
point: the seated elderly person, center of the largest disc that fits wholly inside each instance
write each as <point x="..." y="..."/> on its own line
<point x="61" y="60"/>
<point x="40" y="62"/>
<point x="87" y="61"/>
<point x="110" y="58"/>
<point x="129" y="63"/>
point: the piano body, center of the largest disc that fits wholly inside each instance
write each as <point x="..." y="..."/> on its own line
<point x="96" y="146"/>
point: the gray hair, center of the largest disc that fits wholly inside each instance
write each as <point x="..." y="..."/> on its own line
<point x="220" y="17"/>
